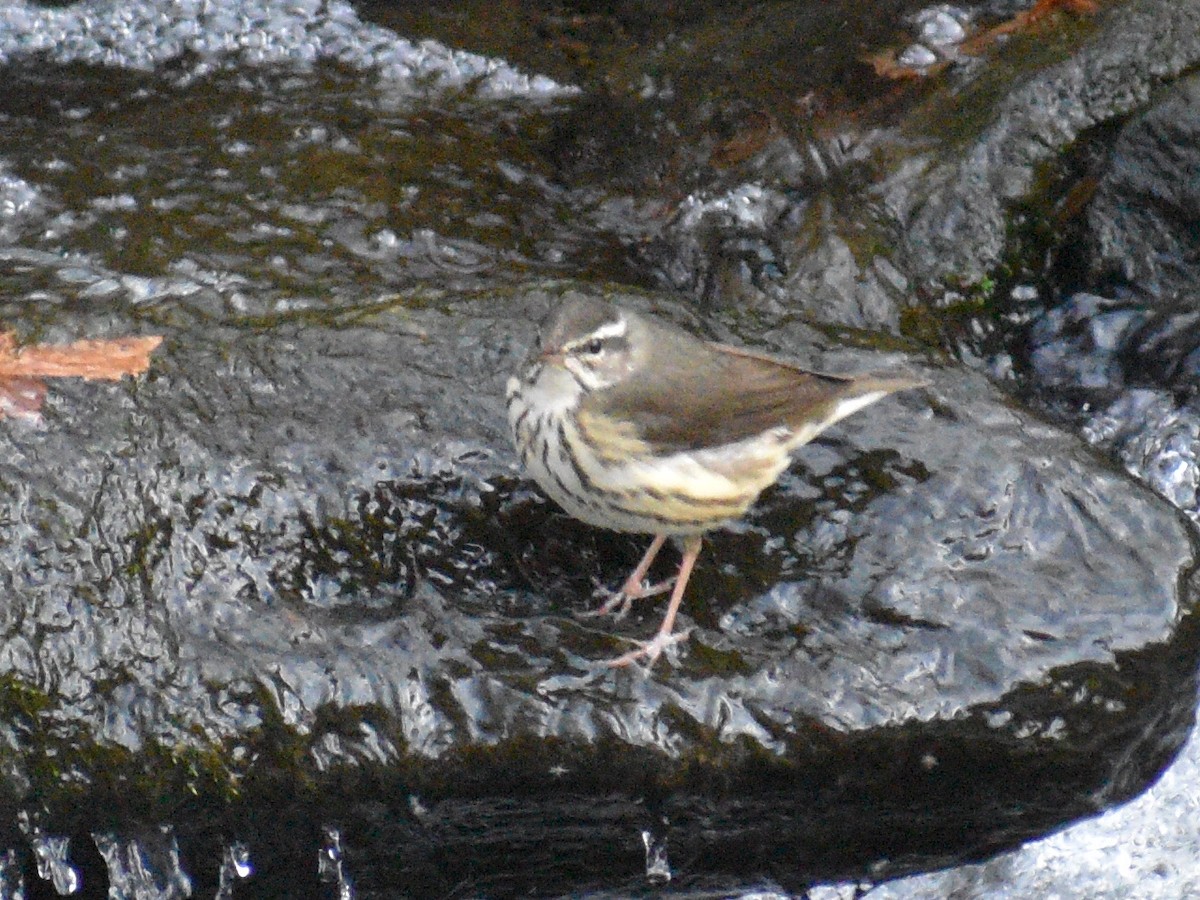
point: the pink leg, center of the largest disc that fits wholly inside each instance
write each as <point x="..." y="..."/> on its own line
<point x="652" y="648"/>
<point x="633" y="589"/>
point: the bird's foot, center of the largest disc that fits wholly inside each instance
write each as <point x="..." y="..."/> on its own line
<point x="649" y="650"/>
<point x="622" y="600"/>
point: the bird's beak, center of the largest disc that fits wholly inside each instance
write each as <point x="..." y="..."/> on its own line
<point x="538" y="360"/>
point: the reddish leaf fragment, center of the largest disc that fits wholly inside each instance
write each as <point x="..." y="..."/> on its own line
<point x="92" y="359"/>
<point x="21" y="398"/>
<point x="22" y="369"/>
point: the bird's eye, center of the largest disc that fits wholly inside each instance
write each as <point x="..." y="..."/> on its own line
<point x="593" y="347"/>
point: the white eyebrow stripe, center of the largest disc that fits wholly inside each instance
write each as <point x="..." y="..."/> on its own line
<point x="612" y="329"/>
<point x="607" y="330"/>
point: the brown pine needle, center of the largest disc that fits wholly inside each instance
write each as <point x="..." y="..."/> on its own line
<point x="1026" y="21"/>
<point x="887" y="65"/>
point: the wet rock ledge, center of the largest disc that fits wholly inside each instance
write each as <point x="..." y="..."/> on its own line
<point x="296" y="562"/>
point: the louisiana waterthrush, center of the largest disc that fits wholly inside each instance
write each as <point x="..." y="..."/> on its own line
<point x="633" y="424"/>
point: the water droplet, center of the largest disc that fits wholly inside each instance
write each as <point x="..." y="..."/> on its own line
<point x="12" y="879"/>
<point x="658" y="868"/>
<point x="235" y="865"/>
<point x="331" y="866"/>
<point x="917" y="56"/>
<point x="52" y="865"/>
<point x="145" y="864"/>
<point x="50" y="853"/>
<point x="942" y="26"/>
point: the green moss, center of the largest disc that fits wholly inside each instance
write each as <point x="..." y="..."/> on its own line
<point x="721" y="663"/>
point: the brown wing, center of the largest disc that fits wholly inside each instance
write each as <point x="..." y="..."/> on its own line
<point x="706" y="395"/>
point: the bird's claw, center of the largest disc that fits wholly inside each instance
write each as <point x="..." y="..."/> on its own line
<point x="622" y="600"/>
<point x="637" y="592"/>
<point x="650" y="650"/>
<point x="619" y="601"/>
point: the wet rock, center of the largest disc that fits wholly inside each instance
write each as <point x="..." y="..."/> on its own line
<point x="1117" y="355"/>
<point x="1120" y="357"/>
<point x="198" y="37"/>
<point x="886" y="204"/>
<point x="888" y="216"/>
<point x="1124" y="374"/>
<point x="1158" y="439"/>
<point x="289" y="593"/>
<point x="956" y="228"/>
<point x="1077" y="344"/>
<point x="1154" y="432"/>
<point x="306" y="547"/>
<point x="1146" y="848"/>
<point x="1143" y="220"/>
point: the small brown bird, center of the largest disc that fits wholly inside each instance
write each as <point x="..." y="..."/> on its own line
<point x="633" y="424"/>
